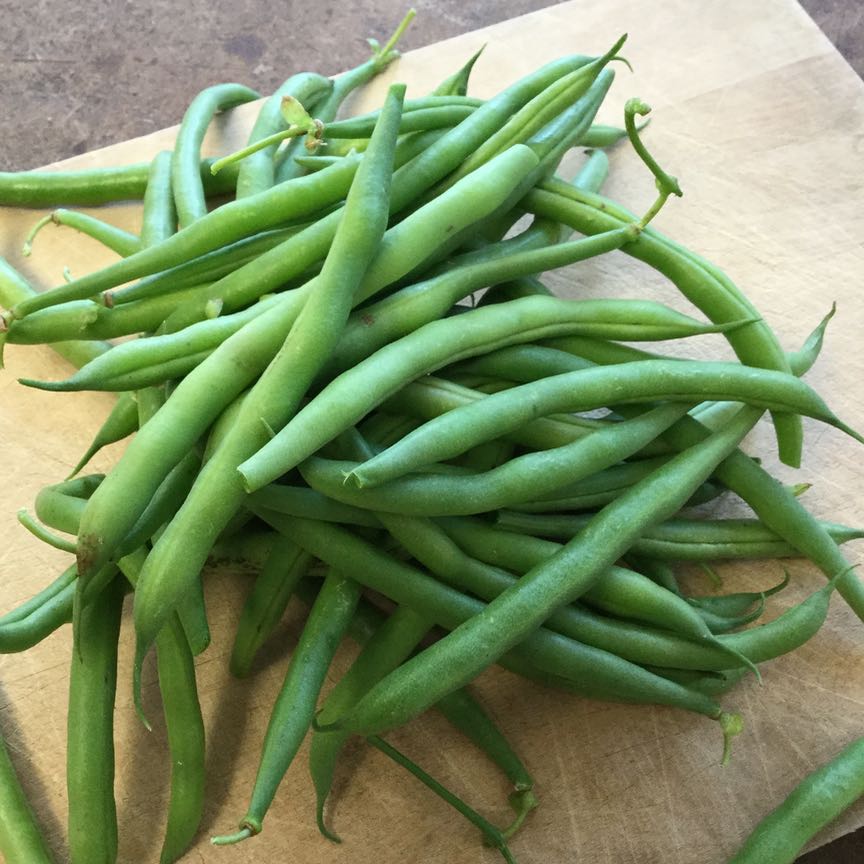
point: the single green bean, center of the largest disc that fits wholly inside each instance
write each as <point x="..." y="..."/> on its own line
<point x="116" y="239"/>
<point x="119" y="424"/>
<point x="90" y="731"/>
<point x="186" y="185"/>
<point x="159" y="219"/>
<point x="21" y="840"/>
<point x="815" y="802"/>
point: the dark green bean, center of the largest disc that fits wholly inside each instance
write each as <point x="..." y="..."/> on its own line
<point x="90" y="731"/>
<point x="266" y="602"/>
<point x="295" y="706"/>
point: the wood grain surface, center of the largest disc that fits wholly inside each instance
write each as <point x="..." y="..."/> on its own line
<point x="763" y="123"/>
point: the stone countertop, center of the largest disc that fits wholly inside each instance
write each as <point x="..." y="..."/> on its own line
<point x="110" y="71"/>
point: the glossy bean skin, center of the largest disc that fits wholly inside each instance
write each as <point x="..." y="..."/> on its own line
<point x="815" y="802"/>
<point x="21" y="840"/>
<point x="228" y="223"/>
<point x="159" y="219"/>
<point x="181" y="551"/>
<point x="90" y="731"/>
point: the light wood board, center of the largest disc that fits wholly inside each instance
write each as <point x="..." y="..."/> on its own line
<point x="763" y="122"/>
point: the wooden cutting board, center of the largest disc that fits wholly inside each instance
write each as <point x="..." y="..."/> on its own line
<point x="763" y="122"/>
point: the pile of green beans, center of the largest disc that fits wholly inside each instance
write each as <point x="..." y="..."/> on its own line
<point x="349" y="359"/>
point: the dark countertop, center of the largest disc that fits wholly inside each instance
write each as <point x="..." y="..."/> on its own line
<point x="112" y="71"/>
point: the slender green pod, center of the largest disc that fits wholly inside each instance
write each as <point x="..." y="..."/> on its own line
<point x="21" y="840"/>
<point x="116" y="239"/>
<point x="119" y="424"/>
<point x="181" y="551"/>
<point x="295" y="706"/>
<point x="14" y="288"/>
<point x="186" y="185"/>
<point x="266" y="602"/>
<point x="815" y="802"/>
<point x="90" y="731"/>
<point x="89" y="187"/>
<point x="159" y="219"/>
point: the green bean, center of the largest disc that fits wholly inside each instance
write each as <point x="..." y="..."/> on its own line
<point x="586" y="389"/>
<point x="54" y="609"/>
<point x="492" y="834"/>
<point x="704" y="285"/>
<point x="200" y="397"/>
<point x="439" y="343"/>
<point x="185" y="178"/>
<point x="640" y="644"/>
<point x="21" y="840"/>
<point x="184" y="726"/>
<point x="119" y="424"/>
<point x="229" y="223"/>
<point x="468" y="716"/>
<point x="815" y="802"/>
<point x="326" y="109"/>
<point x="295" y="706"/>
<point x="116" y="239"/>
<point x="180" y="553"/>
<point x="90" y="731"/>
<point x="524" y="477"/>
<point x="457" y="83"/>
<point x="683" y="539"/>
<point x="206" y="268"/>
<point x="431" y="396"/>
<point x="258" y="172"/>
<point x="582" y="666"/>
<point x="159" y="219"/>
<point x="266" y="602"/>
<point x="42" y="533"/>
<point x="738" y="603"/>
<point x="516" y="612"/>
<point x="391" y="643"/>
<point x="13" y="289"/>
<point x="404" y="311"/>
<point x="602" y="136"/>
<point x="301" y="501"/>
<point x="417" y="120"/>
<point x="92" y="186"/>
<point x="38" y="601"/>
<point x="539" y="111"/>
<point x="709" y="683"/>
